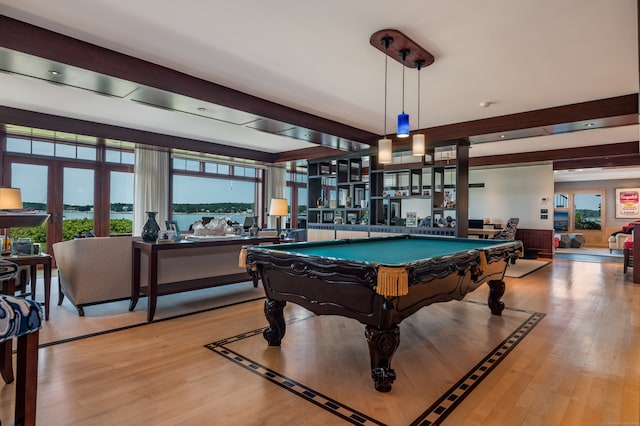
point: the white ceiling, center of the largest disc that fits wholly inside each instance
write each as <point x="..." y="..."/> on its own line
<point x="316" y="57"/>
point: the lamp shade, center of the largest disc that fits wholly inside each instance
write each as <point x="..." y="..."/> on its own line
<point x="403" y="125"/>
<point x="385" y="151"/>
<point x="418" y="146"/>
<point x="10" y="198"/>
<point x="279" y="207"/>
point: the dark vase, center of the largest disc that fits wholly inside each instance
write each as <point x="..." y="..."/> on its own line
<point x="253" y="231"/>
<point x="151" y="228"/>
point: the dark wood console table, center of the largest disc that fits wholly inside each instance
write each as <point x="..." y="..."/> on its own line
<point x="161" y="279"/>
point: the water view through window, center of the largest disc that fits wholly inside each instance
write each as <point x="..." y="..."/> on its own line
<point x="195" y="197"/>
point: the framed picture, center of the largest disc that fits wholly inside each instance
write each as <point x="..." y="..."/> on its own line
<point x="627" y="203"/>
<point x="22" y="247"/>
<point x="172" y="227"/>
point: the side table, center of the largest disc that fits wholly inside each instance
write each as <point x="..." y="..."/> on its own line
<point x="33" y="261"/>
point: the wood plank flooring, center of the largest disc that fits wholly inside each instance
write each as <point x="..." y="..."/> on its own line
<point x="579" y="365"/>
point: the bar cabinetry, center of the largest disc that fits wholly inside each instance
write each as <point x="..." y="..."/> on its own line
<point x="424" y="195"/>
<point x="339" y="191"/>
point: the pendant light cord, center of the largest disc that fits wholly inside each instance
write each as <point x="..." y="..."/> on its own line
<point x="385" y="90"/>
<point x="386" y="41"/>
<point x="404" y="53"/>
<point x="403" y="57"/>
<point x="419" y="66"/>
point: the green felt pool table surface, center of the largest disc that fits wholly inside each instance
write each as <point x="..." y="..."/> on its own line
<point x="388" y="250"/>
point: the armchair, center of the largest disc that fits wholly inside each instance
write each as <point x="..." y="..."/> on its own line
<point x="509" y="231"/>
<point x="616" y="242"/>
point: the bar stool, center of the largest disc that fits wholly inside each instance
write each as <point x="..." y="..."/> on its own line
<point x="22" y="319"/>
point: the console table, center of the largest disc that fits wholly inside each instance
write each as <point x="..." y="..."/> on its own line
<point x="161" y="269"/>
<point x="33" y="261"/>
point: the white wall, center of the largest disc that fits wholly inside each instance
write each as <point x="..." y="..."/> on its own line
<point x="513" y="192"/>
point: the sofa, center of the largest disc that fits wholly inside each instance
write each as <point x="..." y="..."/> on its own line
<point x="93" y="270"/>
<point x="99" y="270"/>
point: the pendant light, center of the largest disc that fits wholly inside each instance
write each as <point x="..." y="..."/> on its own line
<point x="385" y="150"/>
<point x="418" y="146"/>
<point x="403" y="119"/>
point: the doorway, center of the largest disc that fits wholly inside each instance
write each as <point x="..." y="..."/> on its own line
<point x="40" y="184"/>
<point x="581" y="212"/>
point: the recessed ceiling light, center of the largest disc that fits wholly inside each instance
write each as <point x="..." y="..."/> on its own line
<point x="485" y="104"/>
<point x="202" y="109"/>
<point x="503" y="136"/>
<point x="54" y="72"/>
<point x="589" y="125"/>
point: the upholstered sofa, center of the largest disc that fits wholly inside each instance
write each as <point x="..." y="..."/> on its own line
<point x="93" y="270"/>
<point x="98" y="270"/>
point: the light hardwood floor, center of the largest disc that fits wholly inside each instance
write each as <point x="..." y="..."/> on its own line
<point x="579" y="364"/>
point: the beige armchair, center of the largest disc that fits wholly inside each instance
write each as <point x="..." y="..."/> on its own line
<point x="93" y="270"/>
<point x="616" y="242"/>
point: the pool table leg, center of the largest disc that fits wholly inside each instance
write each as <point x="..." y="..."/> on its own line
<point x="382" y="346"/>
<point x="273" y="311"/>
<point x="496" y="291"/>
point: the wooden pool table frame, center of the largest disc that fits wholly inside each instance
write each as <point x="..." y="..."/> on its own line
<point x="327" y="286"/>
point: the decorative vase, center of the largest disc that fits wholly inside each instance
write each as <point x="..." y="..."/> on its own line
<point x="253" y="231"/>
<point x="151" y="228"/>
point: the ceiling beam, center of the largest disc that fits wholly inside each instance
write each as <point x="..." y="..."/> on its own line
<point x="608" y="161"/>
<point x="309" y="154"/>
<point x="590" y="110"/>
<point x="595" y="152"/>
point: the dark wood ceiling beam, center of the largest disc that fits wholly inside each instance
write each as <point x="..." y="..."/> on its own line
<point x="590" y="110"/>
<point x="308" y="154"/>
<point x="608" y="161"/>
<point x="573" y="154"/>
<point x="72" y="125"/>
<point x="37" y="41"/>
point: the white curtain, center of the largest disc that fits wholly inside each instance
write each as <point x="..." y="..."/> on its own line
<point x="275" y="189"/>
<point x="151" y="193"/>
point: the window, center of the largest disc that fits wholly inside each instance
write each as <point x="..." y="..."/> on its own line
<point x="296" y="194"/>
<point x="587" y="211"/>
<point x="68" y="167"/>
<point x="121" y="203"/>
<point x="195" y="197"/>
<point x="51" y="148"/>
<point x="204" y="188"/>
<point x="119" y="156"/>
<point x="19" y="145"/>
<point x="44" y="148"/>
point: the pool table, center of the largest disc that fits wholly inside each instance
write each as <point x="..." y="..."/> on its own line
<point x="376" y="281"/>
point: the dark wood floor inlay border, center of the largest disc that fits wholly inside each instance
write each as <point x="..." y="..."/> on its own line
<point x="433" y="415"/>
<point x="445" y="405"/>
<point x="317" y="398"/>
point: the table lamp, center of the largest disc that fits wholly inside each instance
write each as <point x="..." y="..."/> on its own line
<point x="10" y="199"/>
<point x="279" y="207"/>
